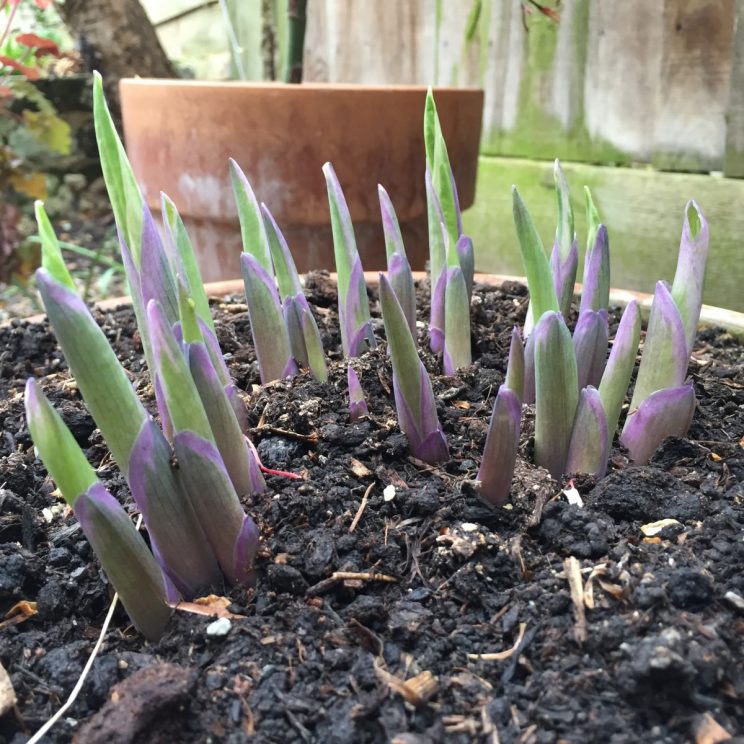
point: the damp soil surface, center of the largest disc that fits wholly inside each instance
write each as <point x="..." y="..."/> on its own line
<point x="382" y="580"/>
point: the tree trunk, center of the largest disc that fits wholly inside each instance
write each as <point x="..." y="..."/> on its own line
<point x="116" y="38"/>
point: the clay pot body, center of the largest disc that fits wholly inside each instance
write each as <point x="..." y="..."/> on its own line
<point x="180" y="134"/>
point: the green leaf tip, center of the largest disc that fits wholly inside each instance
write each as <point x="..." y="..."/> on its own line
<point x="693" y="219"/>
<point x="51" y="254"/>
<point x="536" y="265"/>
<point x="124" y="194"/>
<point x="56" y="446"/>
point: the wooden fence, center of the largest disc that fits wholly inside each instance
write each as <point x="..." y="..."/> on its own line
<point x="657" y="81"/>
<point x="630" y="82"/>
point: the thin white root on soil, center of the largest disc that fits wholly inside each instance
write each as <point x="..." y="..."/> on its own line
<point x="39" y="735"/>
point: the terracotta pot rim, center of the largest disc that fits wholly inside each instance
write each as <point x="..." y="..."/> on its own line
<point x="710" y="315"/>
<point x="301" y="88"/>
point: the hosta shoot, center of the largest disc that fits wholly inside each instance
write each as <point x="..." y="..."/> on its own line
<point x="357" y="403"/>
<point x="304" y="337"/>
<point x="353" y="305"/>
<point x="398" y="268"/>
<point x="414" y="397"/>
<point x="124" y="555"/>
<point x="268" y="327"/>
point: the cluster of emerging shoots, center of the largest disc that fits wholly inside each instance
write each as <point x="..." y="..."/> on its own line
<point x="577" y="391"/>
<point x="199" y="534"/>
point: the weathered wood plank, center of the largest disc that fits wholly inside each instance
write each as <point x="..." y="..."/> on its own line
<point x="612" y="82"/>
<point x="689" y="120"/>
<point x="374" y="43"/>
<point x="643" y="210"/>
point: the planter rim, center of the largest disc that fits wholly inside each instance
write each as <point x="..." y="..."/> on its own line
<point x="730" y="320"/>
<point x="300" y="88"/>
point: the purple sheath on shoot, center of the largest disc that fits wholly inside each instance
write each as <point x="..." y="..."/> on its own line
<point x="590" y="347"/>
<point x="304" y="338"/>
<point x="466" y="255"/>
<point x="664" y="359"/>
<point x="270" y="337"/>
<point x="500" y="453"/>
<point x="665" y="413"/>
<point x="616" y="377"/>
<point x="200" y="464"/>
<point x="222" y="420"/>
<point x="556" y="392"/>
<point x="529" y="370"/>
<point x="437" y="264"/>
<point x="398" y="267"/>
<point x="160" y="494"/>
<point x="594" y="293"/>
<point x="128" y="563"/>
<point x="357" y="403"/>
<point x="564" y="258"/>
<point x="414" y="398"/>
<point x="457" y="348"/>
<point x="353" y="305"/>
<point x="590" y="444"/>
<point x="687" y="289"/>
<point x="515" y="367"/>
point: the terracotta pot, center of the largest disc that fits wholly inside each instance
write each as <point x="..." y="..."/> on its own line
<point x="180" y="134"/>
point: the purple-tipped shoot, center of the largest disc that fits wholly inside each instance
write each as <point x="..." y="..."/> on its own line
<point x="414" y="398"/>
<point x="595" y="292"/>
<point x="564" y="258"/>
<point x="353" y="305"/>
<point x="590" y="347"/>
<point x="268" y="327"/>
<point x="457" y="348"/>
<point x="304" y="337"/>
<point x="100" y="377"/>
<point x="665" y="357"/>
<point x="466" y="256"/>
<point x="205" y="475"/>
<point x="665" y="413"/>
<point x="357" y="403"/>
<point x="500" y="453"/>
<point x="687" y="289"/>
<point x="590" y="443"/>
<point x="556" y="392"/>
<point x="616" y="377"/>
<point x="515" y="367"/>
<point x="437" y="265"/>
<point x="128" y="563"/>
<point x="399" y="269"/>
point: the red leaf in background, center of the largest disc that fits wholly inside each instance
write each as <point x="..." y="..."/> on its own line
<point x="43" y="4"/>
<point x="31" y="73"/>
<point x="5" y="91"/>
<point x="545" y="10"/>
<point x="40" y="43"/>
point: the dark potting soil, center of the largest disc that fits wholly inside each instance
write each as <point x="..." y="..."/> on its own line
<point x="655" y="653"/>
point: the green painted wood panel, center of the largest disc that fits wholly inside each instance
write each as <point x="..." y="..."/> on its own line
<point x="642" y="208"/>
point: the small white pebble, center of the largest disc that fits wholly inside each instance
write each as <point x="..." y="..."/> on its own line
<point x="734" y="600"/>
<point x="389" y="493"/>
<point x="219" y="628"/>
